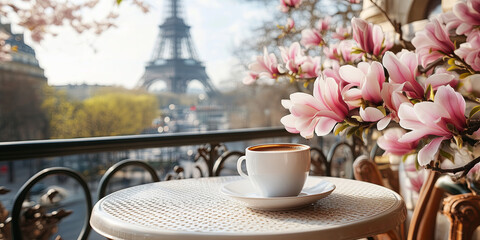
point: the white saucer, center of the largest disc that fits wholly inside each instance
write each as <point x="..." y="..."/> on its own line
<point x="314" y="189"/>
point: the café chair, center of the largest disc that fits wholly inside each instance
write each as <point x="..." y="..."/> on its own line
<point x="422" y="223"/>
<point x="463" y="212"/>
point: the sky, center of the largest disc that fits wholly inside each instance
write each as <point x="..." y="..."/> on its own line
<point x="119" y="55"/>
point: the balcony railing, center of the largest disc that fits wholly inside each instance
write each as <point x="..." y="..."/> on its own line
<point x="61" y="147"/>
<point x="211" y="150"/>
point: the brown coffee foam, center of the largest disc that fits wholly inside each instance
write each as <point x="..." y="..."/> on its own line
<point x="276" y="147"/>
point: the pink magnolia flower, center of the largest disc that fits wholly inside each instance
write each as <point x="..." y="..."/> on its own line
<point x="393" y="97"/>
<point x="324" y="24"/>
<point x="451" y="22"/>
<point x="365" y="82"/>
<point x="470" y="51"/>
<point x="332" y="71"/>
<point x="437" y="80"/>
<point x="293" y="57"/>
<point x="266" y="66"/>
<point x="433" y="42"/>
<point x="402" y="69"/>
<point x="371" y="114"/>
<point x="389" y="142"/>
<point x="342" y="33"/>
<point x="342" y="51"/>
<point x="250" y="78"/>
<point x="468" y="14"/>
<point x="311" y="67"/>
<point x="369" y="37"/>
<point x="345" y="48"/>
<point x="311" y="38"/>
<point x="431" y="119"/>
<point x="416" y="181"/>
<point x="286" y="5"/>
<point x="318" y="113"/>
<point x="290" y="24"/>
<point x="474" y="170"/>
<point x="456" y="77"/>
<point x="331" y="51"/>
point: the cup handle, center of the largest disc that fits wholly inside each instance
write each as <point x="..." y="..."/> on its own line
<point x="239" y="166"/>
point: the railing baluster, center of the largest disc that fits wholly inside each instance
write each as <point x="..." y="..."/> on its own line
<point x="25" y="189"/>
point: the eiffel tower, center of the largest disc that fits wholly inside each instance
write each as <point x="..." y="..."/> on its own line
<point x="174" y="60"/>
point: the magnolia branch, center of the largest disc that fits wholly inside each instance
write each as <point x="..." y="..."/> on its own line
<point x="396" y="26"/>
<point x="464" y="169"/>
<point x="467" y="66"/>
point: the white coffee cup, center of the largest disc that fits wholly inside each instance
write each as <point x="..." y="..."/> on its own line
<point x="277" y="169"/>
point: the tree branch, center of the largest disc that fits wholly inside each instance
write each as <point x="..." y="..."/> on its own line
<point x="464" y="169"/>
<point x="396" y="26"/>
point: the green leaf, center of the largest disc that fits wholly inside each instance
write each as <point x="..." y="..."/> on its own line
<point x="358" y="118"/>
<point x="351" y="131"/>
<point x="447" y="155"/>
<point x="119" y="1"/>
<point x="458" y="140"/>
<point x="429" y="93"/>
<point x="357" y="51"/>
<point x="414" y="101"/>
<point x="351" y="122"/>
<point x="452" y="68"/>
<point x="382" y="109"/>
<point x="340" y="128"/>
<point x="464" y="75"/>
<point x="451" y="61"/>
<point x="475" y="110"/>
<point x="417" y="165"/>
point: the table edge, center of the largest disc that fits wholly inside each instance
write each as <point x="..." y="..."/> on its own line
<point x="398" y="209"/>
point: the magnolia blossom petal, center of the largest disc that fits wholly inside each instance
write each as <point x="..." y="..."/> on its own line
<point x="306" y="126"/>
<point x="287" y="103"/>
<point x="289" y="122"/>
<point x="303" y="110"/>
<point x="429" y="112"/>
<point x="305" y="99"/>
<point x="371" y="114"/>
<point x="439" y="79"/>
<point x="474" y="170"/>
<point x="351" y="74"/>
<point x="427" y="153"/>
<point x="454" y="103"/>
<point x="324" y="126"/>
<point x="391" y="144"/>
<point x="383" y="123"/>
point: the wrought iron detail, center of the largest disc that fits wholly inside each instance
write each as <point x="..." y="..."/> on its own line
<point x="179" y="173"/>
<point x="334" y="149"/>
<point x="319" y="163"/>
<point x="102" y="186"/>
<point x="209" y="153"/>
<point x="5" y="229"/>
<point x="25" y="189"/>
<point x="219" y="163"/>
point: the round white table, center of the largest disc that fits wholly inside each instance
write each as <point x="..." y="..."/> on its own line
<point x="196" y="209"/>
